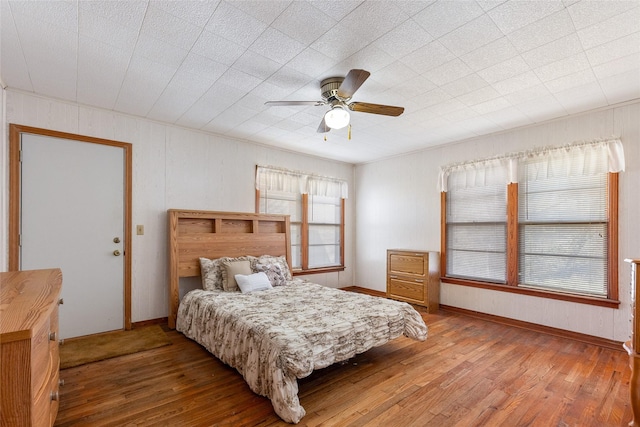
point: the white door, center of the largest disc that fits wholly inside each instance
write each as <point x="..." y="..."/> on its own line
<point x="72" y="218"/>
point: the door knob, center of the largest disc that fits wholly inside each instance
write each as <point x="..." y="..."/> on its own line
<point x="116" y="252"/>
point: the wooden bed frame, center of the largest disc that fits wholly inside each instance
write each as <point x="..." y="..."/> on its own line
<point x="197" y="234"/>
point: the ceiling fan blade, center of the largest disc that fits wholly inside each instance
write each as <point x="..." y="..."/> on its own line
<point x="352" y="83"/>
<point x="291" y="103"/>
<point x="385" y="110"/>
<point x="323" y="128"/>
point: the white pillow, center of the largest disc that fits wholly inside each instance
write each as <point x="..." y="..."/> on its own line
<point x="253" y="282"/>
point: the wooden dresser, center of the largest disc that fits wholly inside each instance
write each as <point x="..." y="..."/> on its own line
<point x="414" y="277"/>
<point x="29" y="360"/>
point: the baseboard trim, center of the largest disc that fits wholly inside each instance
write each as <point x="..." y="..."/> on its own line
<point x="561" y="333"/>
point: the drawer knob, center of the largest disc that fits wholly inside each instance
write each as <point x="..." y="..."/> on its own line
<point x="60" y="382"/>
<point x="55" y="395"/>
<point x="61" y="301"/>
<point x="61" y="342"/>
<point x="52" y="336"/>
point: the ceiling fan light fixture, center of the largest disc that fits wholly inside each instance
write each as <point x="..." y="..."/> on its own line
<point x="337" y="92"/>
<point x="337" y="117"/>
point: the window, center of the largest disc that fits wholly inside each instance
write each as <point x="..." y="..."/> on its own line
<point x="476" y="232"/>
<point x="316" y="208"/>
<point x="542" y="223"/>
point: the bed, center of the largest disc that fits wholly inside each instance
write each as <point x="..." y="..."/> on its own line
<point x="277" y="335"/>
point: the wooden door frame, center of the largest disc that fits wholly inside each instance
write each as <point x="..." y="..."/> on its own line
<point x="15" y="132"/>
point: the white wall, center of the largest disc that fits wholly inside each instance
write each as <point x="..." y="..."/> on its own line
<point x="398" y="206"/>
<point x="172" y="168"/>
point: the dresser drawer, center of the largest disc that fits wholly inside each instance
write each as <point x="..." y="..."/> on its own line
<point x="406" y="288"/>
<point x="54" y="332"/>
<point x="41" y="409"/>
<point x="54" y="322"/>
<point x="45" y="405"/>
<point x="54" y="396"/>
<point x="40" y="359"/>
<point x="407" y="263"/>
<point x="53" y="388"/>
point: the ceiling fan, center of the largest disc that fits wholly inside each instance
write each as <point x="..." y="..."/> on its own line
<point x="337" y="92"/>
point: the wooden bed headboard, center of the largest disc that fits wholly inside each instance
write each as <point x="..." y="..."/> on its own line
<point x="207" y="234"/>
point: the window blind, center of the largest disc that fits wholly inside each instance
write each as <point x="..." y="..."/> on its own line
<point x="476" y="232"/>
<point x="286" y="203"/>
<point x="324" y="231"/>
<point x="563" y="225"/>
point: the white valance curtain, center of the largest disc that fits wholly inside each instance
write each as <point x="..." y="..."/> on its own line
<point x="269" y="178"/>
<point x="576" y="159"/>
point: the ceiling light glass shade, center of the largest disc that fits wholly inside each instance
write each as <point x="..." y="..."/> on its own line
<point x="337" y="117"/>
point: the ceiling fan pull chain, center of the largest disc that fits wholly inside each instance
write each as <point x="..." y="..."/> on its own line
<point x="325" y="136"/>
<point x="349" y="133"/>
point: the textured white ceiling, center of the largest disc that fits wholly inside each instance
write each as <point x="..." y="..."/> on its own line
<point x="460" y="68"/>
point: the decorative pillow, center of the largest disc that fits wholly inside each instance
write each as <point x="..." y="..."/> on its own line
<point x="211" y="271"/>
<point x="253" y="282"/>
<point x="273" y="272"/>
<point x="280" y="261"/>
<point x="231" y="268"/>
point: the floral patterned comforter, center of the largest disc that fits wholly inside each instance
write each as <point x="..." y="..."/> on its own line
<point x="276" y="336"/>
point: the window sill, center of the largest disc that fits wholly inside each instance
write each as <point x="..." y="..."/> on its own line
<point x="318" y="270"/>
<point x="581" y="299"/>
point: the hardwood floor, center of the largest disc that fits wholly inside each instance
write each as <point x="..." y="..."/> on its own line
<point x="469" y="372"/>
